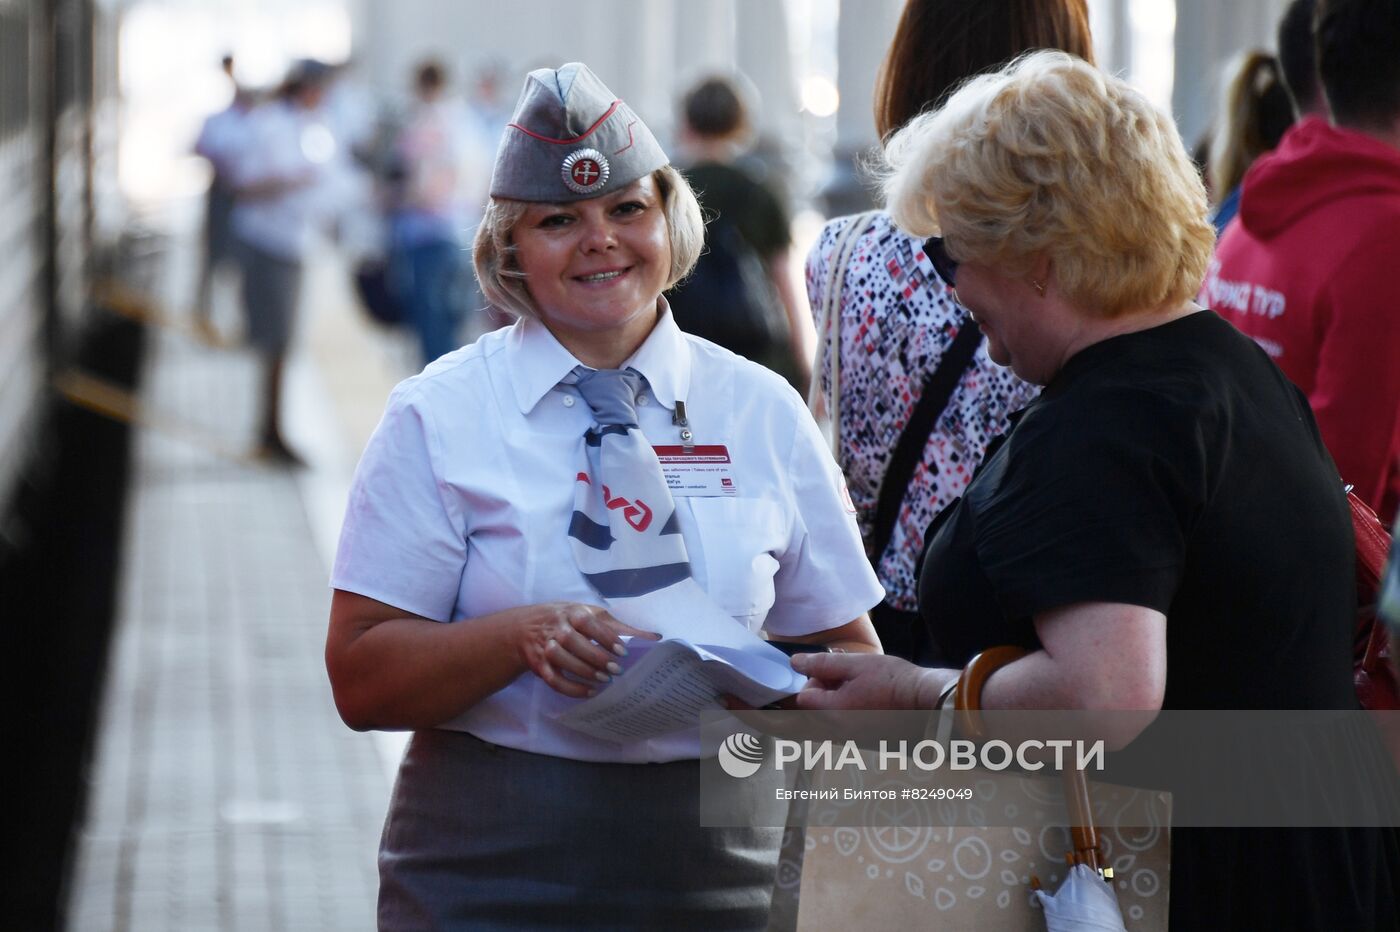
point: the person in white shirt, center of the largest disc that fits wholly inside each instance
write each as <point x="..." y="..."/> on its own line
<point x="431" y="216"/>
<point x="461" y="610"/>
<point x="221" y="140"/>
<point x="279" y="199"/>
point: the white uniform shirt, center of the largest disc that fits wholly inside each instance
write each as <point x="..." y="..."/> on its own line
<point x="223" y="137"/>
<point x="461" y="504"/>
<point x="283" y="143"/>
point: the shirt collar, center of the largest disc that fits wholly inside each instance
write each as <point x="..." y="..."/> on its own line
<point x="537" y="361"/>
<point x="664" y="359"/>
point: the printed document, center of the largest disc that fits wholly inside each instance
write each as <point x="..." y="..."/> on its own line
<point x="665" y="685"/>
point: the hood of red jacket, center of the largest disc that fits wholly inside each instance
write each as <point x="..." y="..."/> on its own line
<point x="1315" y="164"/>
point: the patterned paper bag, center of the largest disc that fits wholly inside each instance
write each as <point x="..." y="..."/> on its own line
<point x="881" y="876"/>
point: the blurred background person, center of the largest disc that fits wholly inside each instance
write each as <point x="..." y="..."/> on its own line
<point x="898" y="318"/>
<point x="1297" y="58"/>
<point x="431" y="215"/>
<point x="487" y="105"/>
<point x="354" y="218"/>
<point x="1139" y="530"/>
<point x="288" y="156"/>
<point x="221" y="139"/>
<point x="478" y="596"/>
<point x="1308" y="271"/>
<point x="1255" y="112"/>
<point x="740" y="294"/>
<point x="1248" y="108"/>
<point x="488" y="111"/>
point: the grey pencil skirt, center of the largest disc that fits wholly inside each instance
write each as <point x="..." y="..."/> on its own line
<point x="485" y="837"/>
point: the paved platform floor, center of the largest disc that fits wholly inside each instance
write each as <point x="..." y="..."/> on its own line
<point x="226" y="794"/>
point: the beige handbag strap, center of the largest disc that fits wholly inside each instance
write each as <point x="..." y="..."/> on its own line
<point x="829" y="326"/>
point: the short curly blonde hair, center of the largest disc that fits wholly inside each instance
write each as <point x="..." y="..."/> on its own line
<point x="1052" y="157"/>
<point x="493" y="252"/>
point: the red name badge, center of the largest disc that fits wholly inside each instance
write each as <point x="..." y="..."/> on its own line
<point x="699" y="470"/>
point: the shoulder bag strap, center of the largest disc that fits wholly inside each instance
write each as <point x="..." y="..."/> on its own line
<point x="908" y="451"/>
<point x="829" y="326"/>
<point x="1372" y="546"/>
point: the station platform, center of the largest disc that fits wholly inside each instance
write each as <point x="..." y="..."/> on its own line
<point x="225" y="793"/>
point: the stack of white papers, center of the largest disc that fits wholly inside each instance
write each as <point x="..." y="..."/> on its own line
<point x="665" y="685"/>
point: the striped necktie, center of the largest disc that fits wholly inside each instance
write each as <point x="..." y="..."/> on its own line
<point x="624" y="532"/>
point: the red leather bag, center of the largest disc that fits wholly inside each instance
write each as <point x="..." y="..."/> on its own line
<point x="1377" y="685"/>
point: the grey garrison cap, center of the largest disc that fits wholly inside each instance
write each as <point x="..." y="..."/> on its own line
<point x="571" y="139"/>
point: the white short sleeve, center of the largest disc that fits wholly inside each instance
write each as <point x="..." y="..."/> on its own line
<point x="403" y="542"/>
<point x="824" y="579"/>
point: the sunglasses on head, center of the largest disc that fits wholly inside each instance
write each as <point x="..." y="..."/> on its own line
<point x="945" y="265"/>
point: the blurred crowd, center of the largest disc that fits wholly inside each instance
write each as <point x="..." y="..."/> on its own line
<point x="402" y="192"/>
<point x="399" y="193"/>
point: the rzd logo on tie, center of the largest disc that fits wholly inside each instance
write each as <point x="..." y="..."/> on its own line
<point x="637" y="514"/>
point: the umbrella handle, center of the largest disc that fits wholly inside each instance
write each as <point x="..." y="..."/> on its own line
<point x="967" y="698"/>
<point x="967" y="701"/>
<point x="1084" y="836"/>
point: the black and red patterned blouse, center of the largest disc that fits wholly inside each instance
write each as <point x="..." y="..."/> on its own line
<point x="897" y="321"/>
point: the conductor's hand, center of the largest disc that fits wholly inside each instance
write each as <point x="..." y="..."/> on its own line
<point x="573" y="647"/>
<point x="867" y="681"/>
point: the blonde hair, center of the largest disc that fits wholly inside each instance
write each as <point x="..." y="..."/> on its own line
<point x="502" y="281"/>
<point x="1052" y="157"/>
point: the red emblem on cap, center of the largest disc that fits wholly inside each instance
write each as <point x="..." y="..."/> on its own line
<point x="585" y="171"/>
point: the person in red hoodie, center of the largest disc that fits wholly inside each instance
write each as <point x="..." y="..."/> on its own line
<point x="1308" y="269"/>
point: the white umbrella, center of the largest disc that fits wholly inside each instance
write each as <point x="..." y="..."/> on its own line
<point x="1084" y="903"/>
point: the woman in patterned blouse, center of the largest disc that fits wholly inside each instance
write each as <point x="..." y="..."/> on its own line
<point x="898" y="318"/>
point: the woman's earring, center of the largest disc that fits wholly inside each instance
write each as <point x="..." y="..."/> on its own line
<point x="1039" y="287"/>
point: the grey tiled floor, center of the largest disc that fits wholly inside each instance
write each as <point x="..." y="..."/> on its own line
<point x="226" y="794"/>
